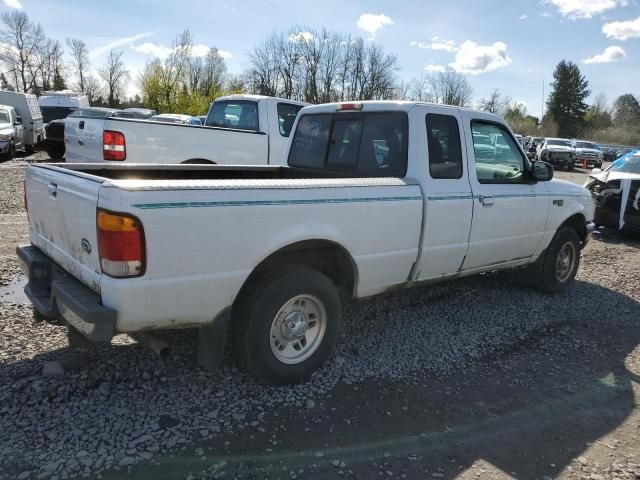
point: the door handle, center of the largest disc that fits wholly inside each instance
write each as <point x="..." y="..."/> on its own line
<point x="53" y="190"/>
<point x="80" y="142"/>
<point x="81" y="124"/>
<point x="486" y="200"/>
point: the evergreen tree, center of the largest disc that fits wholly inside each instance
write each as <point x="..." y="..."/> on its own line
<point x="566" y="104"/>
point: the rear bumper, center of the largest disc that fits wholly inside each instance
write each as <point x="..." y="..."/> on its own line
<point x="56" y="294"/>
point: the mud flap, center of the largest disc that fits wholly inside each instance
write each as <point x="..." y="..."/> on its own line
<point x="212" y="339"/>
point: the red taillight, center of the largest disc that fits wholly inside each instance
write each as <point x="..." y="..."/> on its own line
<point x="120" y="244"/>
<point x="113" y="146"/>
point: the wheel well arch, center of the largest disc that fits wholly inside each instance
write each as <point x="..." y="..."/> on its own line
<point x="326" y="256"/>
<point x="578" y="222"/>
<point x="197" y="161"/>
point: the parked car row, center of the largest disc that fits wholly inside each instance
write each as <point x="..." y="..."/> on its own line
<point x="564" y="152"/>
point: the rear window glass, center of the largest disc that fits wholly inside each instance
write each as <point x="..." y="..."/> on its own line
<point x="50" y="114"/>
<point x="372" y="144"/>
<point x="241" y="114"/>
<point x="91" y="113"/>
<point x="286" y="117"/>
<point x="445" y="151"/>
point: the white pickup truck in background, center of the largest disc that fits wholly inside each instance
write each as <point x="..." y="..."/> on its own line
<point x="376" y="196"/>
<point x="240" y="130"/>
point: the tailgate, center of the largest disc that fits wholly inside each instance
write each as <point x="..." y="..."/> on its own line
<point x="62" y="220"/>
<point x="83" y="139"/>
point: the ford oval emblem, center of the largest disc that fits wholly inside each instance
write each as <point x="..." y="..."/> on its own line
<point x="86" y="246"/>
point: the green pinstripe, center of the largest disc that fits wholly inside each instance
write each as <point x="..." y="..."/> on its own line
<point x="247" y="203"/>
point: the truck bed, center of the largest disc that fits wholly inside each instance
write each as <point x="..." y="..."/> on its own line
<point x="193" y="172"/>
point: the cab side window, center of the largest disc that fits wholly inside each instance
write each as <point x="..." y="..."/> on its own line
<point x="498" y="159"/>
<point x="286" y="117"/>
<point x="445" y="151"/>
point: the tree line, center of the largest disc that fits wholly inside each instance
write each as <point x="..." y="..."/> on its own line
<point x="314" y="66"/>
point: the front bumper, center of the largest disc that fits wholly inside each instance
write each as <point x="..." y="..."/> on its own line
<point x="56" y="294"/>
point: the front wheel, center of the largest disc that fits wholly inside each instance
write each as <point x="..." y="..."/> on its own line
<point x="285" y="327"/>
<point x="11" y="151"/>
<point x="556" y="269"/>
<point x="29" y="149"/>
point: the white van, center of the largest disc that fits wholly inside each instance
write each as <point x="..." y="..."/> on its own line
<point x="55" y="105"/>
<point x="26" y="105"/>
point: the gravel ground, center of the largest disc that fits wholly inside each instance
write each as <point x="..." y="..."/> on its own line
<point x="118" y="410"/>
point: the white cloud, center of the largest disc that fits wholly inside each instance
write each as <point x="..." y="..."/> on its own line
<point x="435" y="68"/>
<point x="575" y="9"/>
<point x="524" y="16"/>
<point x="475" y="59"/>
<point x="118" y="43"/>
<point x="162" y="52"/>
<point x="199" y="50"/>
<point x="371" y="23"/>
<point x="13" y="3"/>
<point x="622" y="30"/>
<point x="610" y="54"/>
<point x="301" y="37"/>
<point x="437" y="44"/>
<point x="545" y="14"/>
<point x="149" y="48"/>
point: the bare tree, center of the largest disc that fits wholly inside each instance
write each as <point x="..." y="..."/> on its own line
<point x="22" y="42"/>
<point x="93" y="89"/>
<point x="451" y="88"/>
<point x="496" y="103"/>
<point x="79" y="60"/>
<point x="419" y="90"/>
<point x="214" y="72"/>
<point x="114" y="74"/>
<point x="320" y="66"/>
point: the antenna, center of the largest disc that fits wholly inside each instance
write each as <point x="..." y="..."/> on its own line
<point x="542" y="109"/>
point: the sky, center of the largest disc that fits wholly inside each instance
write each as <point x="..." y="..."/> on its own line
<point x="511" y="45"/>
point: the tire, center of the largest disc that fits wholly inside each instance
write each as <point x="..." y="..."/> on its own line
<point x="547" y="274"/>
<point x="56" y="153"/>
<point x="300" y="296"/>
<point x="29" y="149"/>
<point x="569" y="168"/>
<point x="10" y="153"/>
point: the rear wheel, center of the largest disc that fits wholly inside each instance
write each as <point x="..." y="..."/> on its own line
<point x="285" y="327"/>
<point x="56" y="153"/>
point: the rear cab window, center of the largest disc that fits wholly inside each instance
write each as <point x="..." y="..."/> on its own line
<point x="445" y="149"/>
<point x="287" y="113"/>
<point x="370" y="144"/>
<point x="239" y="114"/>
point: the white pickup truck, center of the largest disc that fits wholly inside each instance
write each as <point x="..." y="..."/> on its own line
<point x="240" y="130"/>
<point x="376" y="196"/>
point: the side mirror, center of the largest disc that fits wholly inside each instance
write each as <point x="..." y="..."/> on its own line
<point x="595" y="171"/>
<point x="18" y="120"/>
<point x="541" y="171"/>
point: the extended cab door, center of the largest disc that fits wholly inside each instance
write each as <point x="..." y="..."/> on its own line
<point x="509" y="211"/>
<point x="19" y="127"/>
<point x="281" y="117"/>
<point x="448" y="203"/>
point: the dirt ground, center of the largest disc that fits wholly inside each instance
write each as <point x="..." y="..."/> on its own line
<point x="559" y="401"/>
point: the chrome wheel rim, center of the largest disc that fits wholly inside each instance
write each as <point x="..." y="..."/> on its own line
<point x="565" y="261"/>
<point x="297" y="329"/>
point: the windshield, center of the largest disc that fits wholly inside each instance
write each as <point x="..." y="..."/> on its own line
<point x="630" y="163"/>
<point x="55" y="113"/>
<point x="562" y="143"/>
<point x="4" y="116"/>
<point x="593" y="146"/>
